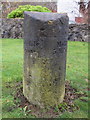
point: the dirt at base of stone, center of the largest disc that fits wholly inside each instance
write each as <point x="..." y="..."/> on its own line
<point x="67" y="105"/>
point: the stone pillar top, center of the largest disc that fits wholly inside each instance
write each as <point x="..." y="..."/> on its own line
<point x="46" y="16"/>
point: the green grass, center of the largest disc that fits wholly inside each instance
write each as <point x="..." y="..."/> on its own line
<point x="77" y="74"/>
<point x="81" y="113"/>
<point x="77" y="65"/>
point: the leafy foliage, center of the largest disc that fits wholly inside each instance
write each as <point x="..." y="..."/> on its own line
<point x="18" y="13"/>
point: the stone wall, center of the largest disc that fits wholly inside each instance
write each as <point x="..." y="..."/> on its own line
<point x="13" y="28"/>
<point x="78" y="32"/>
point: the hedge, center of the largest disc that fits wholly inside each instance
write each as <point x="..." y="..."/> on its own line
<point x="18" y="13"/>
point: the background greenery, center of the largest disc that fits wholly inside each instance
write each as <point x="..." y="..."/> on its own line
<point x="77" y="74"/>
<point x="18" y="13"/>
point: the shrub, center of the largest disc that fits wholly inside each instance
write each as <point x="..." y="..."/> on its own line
<point x="18" y="13"/>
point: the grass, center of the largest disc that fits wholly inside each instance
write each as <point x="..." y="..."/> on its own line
<point x="77" y="74"/>
<point x="77" y="65"/>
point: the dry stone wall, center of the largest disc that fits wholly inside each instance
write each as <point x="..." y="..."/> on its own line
<point x="78" y="32"/>
<point x="13" y="28"/>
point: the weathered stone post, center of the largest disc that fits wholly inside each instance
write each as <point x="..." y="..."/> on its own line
<point x="45" y="48"/>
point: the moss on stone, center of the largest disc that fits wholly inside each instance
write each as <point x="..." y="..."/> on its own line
<point x="42" y="90"/>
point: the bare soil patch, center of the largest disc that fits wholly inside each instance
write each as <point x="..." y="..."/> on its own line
<point x="67" y="105"/>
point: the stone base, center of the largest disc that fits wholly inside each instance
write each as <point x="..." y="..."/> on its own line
<point x="42" y="88"/>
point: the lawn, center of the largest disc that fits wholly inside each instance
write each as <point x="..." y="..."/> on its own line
<point x="77" y="74"/>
